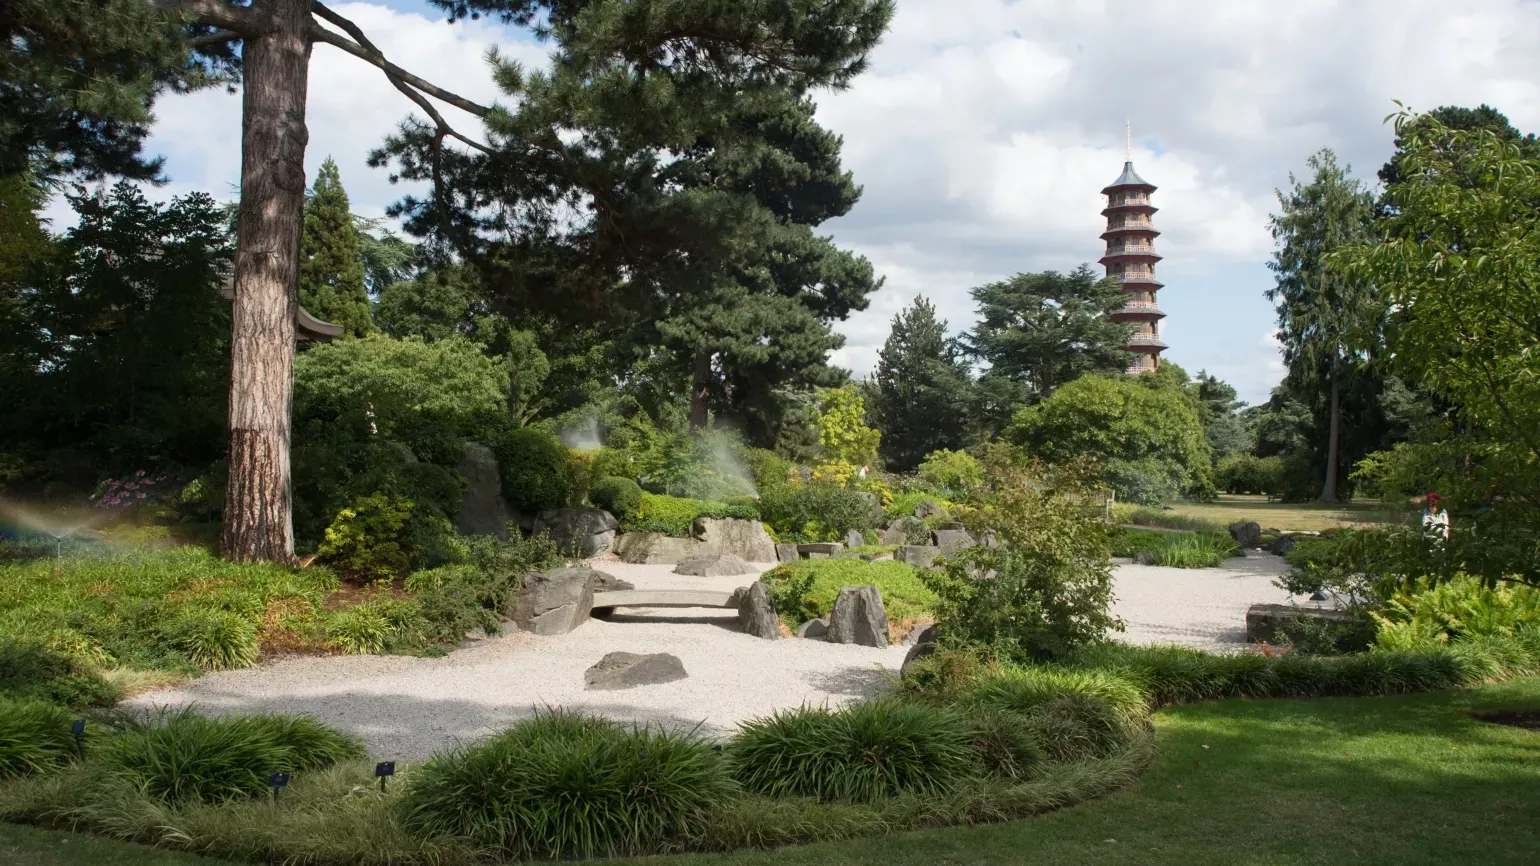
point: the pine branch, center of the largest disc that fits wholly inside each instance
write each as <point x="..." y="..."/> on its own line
<point x="366" y="50"/>
<point x="245" y="20"/>
<point x="218" y="37"/>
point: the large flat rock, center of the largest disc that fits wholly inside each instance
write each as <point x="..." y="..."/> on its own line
<point x="622" y="670"/>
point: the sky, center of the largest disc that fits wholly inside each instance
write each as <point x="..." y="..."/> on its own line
<point x="984" y="131"/>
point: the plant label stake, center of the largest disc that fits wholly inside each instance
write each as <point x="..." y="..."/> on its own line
<point x="78" y="728"/>
<point x="382" y="770"/>
<point x="278" y="781"/>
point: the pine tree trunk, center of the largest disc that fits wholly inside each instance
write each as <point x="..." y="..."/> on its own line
<point x="1329" y="488"/>
<point x="700" y="391"/>
<point x="258" y="519"/>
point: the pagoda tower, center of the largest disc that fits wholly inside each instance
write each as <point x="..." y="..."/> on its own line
<point x="1130" y="259"/>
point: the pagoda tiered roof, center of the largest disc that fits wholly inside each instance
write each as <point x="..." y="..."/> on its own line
<point x="1129" y="178"/>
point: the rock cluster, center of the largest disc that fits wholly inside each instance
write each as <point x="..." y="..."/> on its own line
<point x="582" y="532"/>
<point x="745" y="539"/>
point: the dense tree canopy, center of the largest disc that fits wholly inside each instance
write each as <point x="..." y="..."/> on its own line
<point x="921" y="389"/>
<point x="331" y="266"/>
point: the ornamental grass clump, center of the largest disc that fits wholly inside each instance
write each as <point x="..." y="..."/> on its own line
<point x="180" y="756"/>
<point x="566" y="785"/>
<point x="34" y="737"/>
<point x="214" y="639"/>
<point x="862" y="754"/>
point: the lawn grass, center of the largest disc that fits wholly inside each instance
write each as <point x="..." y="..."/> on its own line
<point x="1405" y="779"/>
<point x="1283" y="515"/>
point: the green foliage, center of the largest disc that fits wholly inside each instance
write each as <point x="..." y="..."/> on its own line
<point x="582" y="787"/>
<point x="817" y="512"/>
<point x="1177" y="549"/>
<point x="921" y="388"/>
<point x="31" y="671"/>
<point x="621" y="497"/>
<point x="213" y="638"/>
<point x="358" y="630"/>
<point x="180" y="756"/>
<point x="1141" y="515"/>
<point x="673" y="515"/>
<point x="806" y="589"/>
<point x="1246" y="473"/>
<point x="453" y="600"/>
<point x="534" y="465"/>
<point x="1040" y="331"/>
<point x="34" y="737"/>
<point x="842" y="428"/>
<point x="363" y="541"/>
<point x="862" y="754"/>
<point x="904" y="504"/>
<point x="1425" y="614"/>
<point x="331" y="268"/>
<point x="768" y="468"/>
<point x="951" y="471"/>
<point x="1147" y="436"/>
<point x="1046" y="584"/>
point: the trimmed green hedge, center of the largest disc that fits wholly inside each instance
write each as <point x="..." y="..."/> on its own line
<point x="621" y="497"/>
<point x="672" y="515"/>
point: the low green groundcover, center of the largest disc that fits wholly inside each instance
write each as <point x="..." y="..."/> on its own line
<point x="806" y="589"/>
<point x="672" y="515"/>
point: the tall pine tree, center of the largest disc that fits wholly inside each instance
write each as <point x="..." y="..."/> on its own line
<point x="921" y="388"/>
<point x="331" y="269"/>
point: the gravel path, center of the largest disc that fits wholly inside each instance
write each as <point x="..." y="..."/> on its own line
<point x="409" y="708"/>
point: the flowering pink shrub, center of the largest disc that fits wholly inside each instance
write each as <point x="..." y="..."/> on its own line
<point x="128" y="491"/>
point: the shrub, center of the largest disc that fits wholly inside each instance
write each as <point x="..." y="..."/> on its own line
<point x="904" y="504"/>
<point x="1177" y="549"/>
<point x="1463" y="608"/>
<point x="364" y="541"/>
<point x="862" y="754"/>
<point x="360" y="630"/>
<point x="214" y="639"/>
<point x="534" y="469"/>
<point x="34" y="737"/>
<point x="803" y="590"/>
<point x="952" y="471"/>
<point x="768" y="468"/>
<point x="1007" y="744"/>
<point x="673" y="515"/>
<point x="1077" y="726"/>
<point x="621" y="497"/>
<point x="1139" y="515"/>
<point x="180" y="756"/>
<point x="1023" y="690"/>
<point x="30" y="671"/>
<point x="1246" y="473"/>
<point x="817" y="512"/>
<point x="564" y="785"/>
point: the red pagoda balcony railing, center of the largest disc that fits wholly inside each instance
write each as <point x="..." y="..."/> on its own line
<point x="1146" y="340"/>
<point x="1130" y="199"/>
<point x="1130" y="249"/>
<point x="1131" y="224"/>
<point x="1140" y="307"/>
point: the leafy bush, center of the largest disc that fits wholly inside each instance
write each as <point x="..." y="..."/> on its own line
<point x="215" y="639"/>
<point x="360" y="630"/>
<point x="1046" y="585"/>
<point x="1009" y="745"/>
<point x="30" y="671"/>
<point x="621" y="497"/>
<point x="453" y="600"/>
<point x="768" y="468"/>
<point x="180" y="756"/>
<point x="672" y="515"/>
<point x="1139" y="515"/>
<point x="817" y="512"/>
<point x="904" y="504"/>
<point x="1075" y="727"/>
<point x="564" y="785"/>
<point x="34" y="737"/>
<point x="952" y="471"/>
<point x="806" y="589"/>
<point x="534" y="468"/>
<point x="861" y="754"/>
<point x="364" y="540"/>
<point x="1247" y="473"/>
<point x="1422" y="615"/>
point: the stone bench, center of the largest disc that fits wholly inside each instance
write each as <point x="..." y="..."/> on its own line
<point x="664" y="598"/>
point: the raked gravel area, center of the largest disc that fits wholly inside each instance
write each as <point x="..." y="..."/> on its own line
<point x="409" y="707"/>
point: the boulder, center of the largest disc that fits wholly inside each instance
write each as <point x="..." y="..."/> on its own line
<point x="859" y="617"/>
<point x="924" y="644"/>
<point x="713" y="565"/>
<point x="854" y="538"/>
<point x="949" y="541"/>
<point x="484" y="511"/>
<point x="757" y="615"/>
<point x="928" y="509"/>
<point x="582" y="532"/>
<point x="814" y="629"/>
<point x="1281" y="545"/>
<point x="1245" y="533"/>
<point x="1272" y="622"/>
<point x="1144" y="557"/>
<point x="610" y="583"/>
<point x="655" y="548"/>
<point x="916" y="555"/>
<point x="948" y="524"/>
<point x="621" y="670"/>
<point x="892" y="536"/>
<point x="918" y="631"/>
<point x="554" y="601"/>
<point x="787" y="553"/>
<point x="745" y="539"/>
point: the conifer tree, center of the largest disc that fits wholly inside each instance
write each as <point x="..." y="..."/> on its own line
<point x="922" y="389"/>
<point x="331" y="271"/>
